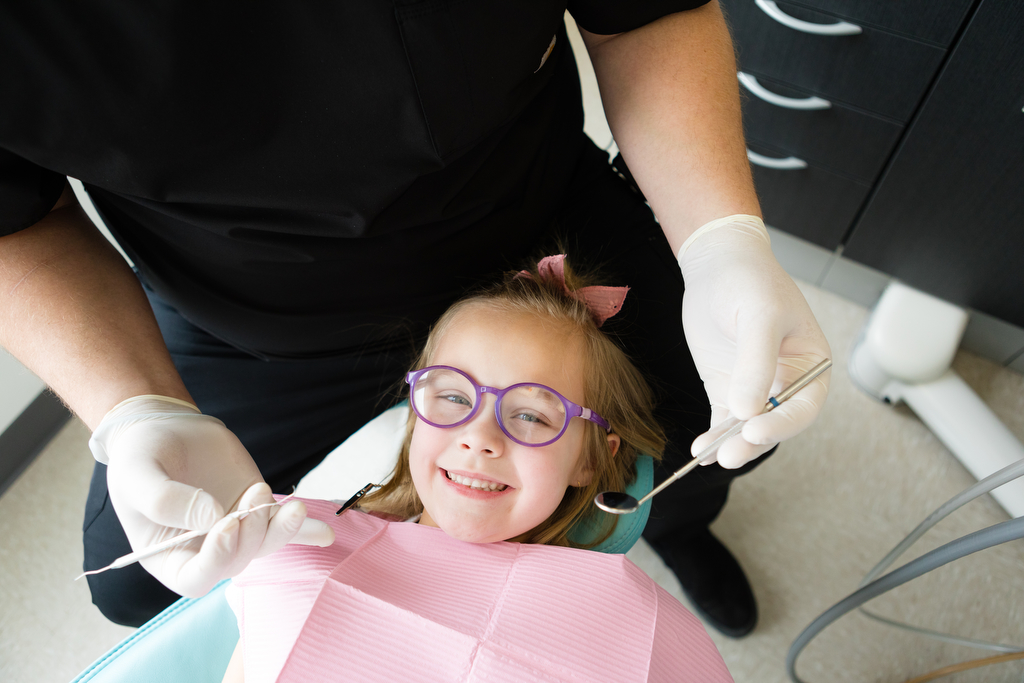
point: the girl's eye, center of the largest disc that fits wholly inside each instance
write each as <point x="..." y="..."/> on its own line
<point x="529" y="417"/>
<point x="457" y="399"/>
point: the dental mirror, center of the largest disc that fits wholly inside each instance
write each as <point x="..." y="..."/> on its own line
<point x="619" y="503"/>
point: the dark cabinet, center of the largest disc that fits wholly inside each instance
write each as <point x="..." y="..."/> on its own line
<point x="899" y="137"/>
<point x="948" y="214"/>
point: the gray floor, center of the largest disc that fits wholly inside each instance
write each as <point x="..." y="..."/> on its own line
<point x="807" y="526"/>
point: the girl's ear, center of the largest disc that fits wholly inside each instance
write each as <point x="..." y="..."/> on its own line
<point x="613" y="443"/>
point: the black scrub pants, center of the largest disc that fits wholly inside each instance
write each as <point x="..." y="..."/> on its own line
<point x="290" y="414"/>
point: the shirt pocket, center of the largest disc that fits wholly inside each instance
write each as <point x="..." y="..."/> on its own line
<point x="477" y="65"/>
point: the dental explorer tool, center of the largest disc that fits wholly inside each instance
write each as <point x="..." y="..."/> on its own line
<point x="619" y="503"/>
<point x="156" y="548"/>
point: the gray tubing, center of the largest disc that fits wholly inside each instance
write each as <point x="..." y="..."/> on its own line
<point x="989" y="483"/>
<point x="954" y="550"/>
<point x="992" y="481"/>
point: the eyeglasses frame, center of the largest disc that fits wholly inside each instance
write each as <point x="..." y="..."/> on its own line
<point x="571" y="409"/>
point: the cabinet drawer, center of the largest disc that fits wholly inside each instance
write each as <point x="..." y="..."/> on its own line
<point x="935" y="21"/>
<point x="837" y="138"/>
<point x="812" y="203"/>
<point x="874" y="70"/>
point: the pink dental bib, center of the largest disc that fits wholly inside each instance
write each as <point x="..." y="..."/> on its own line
<point x="392" y="601"/>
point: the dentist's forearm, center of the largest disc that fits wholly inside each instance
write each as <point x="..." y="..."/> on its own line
<point x="73" y="312"/>
<point x="672" y="101"/>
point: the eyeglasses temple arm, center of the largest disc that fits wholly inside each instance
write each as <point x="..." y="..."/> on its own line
<point x="588" y="414"/>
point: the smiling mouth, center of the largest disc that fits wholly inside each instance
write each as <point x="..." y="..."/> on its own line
<point x="478" y="484"/>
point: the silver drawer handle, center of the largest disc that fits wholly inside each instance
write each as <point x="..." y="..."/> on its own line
<point x="841" y="28"/>
<point x="768" y="96"/>
<point x="787" y="164"/>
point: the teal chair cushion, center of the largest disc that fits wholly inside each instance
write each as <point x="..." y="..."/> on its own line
<point x="189" y="642"/>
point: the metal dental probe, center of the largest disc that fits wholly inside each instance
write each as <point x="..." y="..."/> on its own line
<point x="156" y="548"/>
<point x="619" y="503"/>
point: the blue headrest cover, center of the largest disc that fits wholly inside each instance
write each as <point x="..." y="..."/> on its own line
<point x="629" y="527"/>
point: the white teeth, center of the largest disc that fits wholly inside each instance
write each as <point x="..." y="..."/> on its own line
<point x="476" y="483"/>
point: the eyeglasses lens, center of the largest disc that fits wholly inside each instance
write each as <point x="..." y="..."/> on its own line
<point x="530" y="413"/>
<point x="443" y="397"/>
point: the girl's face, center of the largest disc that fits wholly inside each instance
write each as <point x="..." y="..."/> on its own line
<point x="475" y="483"/>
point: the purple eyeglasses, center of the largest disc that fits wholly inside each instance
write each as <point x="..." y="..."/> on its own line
<point x="529" y="414"/>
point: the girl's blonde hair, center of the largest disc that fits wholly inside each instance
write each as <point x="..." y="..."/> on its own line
<point x="613" y="388"/>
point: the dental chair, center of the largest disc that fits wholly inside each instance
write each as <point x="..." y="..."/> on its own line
<point x="192" y="640"/>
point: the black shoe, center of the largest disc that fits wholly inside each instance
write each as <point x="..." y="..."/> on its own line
<point x="713" y="581"/>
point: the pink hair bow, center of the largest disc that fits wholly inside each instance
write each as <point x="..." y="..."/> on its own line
<point x="602" y="302"/>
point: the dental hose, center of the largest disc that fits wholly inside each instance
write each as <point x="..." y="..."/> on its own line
<point x="872" y="587"/>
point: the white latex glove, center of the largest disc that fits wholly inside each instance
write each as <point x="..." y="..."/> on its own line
<point x="751" y="334"/>
<point x="171" y="469"/>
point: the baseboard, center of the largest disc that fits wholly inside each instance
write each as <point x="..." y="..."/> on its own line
<point x="30" y="432"/>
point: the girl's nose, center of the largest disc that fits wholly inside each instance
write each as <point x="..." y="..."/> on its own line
<point x="482" y="434"/>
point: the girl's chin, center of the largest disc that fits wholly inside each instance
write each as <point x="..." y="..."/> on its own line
<point x="473" y="536"/>
<point x="461" y="532"/>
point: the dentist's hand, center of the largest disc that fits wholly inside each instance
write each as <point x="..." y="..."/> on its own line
<point x="171" y="469"/>
<point x="751" y="334"/>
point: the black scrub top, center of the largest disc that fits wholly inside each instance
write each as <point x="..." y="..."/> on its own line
<point x="301" y="179"/>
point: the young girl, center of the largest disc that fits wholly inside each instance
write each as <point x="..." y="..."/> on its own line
<point x="522" y="411"/>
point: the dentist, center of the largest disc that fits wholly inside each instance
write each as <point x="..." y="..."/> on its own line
<point x="303" y="189"/>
